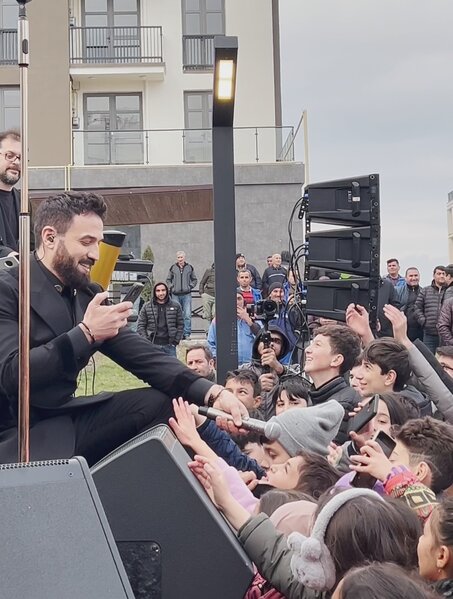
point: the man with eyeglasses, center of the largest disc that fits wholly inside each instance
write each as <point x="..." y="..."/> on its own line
<point x="10" y="169"/>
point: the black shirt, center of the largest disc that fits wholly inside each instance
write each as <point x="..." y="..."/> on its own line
<point x="9" y="220"/>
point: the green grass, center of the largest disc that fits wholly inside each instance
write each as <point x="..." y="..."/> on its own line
<point x="109" y="377"/>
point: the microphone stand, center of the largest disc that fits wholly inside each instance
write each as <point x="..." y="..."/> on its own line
<point x="24" y="246"/>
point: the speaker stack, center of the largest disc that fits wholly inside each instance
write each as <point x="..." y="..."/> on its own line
<point x="348" y="252"/>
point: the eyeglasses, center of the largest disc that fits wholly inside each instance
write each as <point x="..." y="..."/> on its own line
<point x="11" y="156"/>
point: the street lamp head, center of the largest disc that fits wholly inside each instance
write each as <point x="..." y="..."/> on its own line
<point x="225" y="63"/>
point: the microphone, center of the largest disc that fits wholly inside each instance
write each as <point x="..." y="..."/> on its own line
<point x="271" y="430"/>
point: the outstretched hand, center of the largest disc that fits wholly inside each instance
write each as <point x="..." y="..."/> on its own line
<point x="357" y="319"/>
<point x="183" y="425"/>
<point x="399" y="323"/>
<point x="212" y="479"/>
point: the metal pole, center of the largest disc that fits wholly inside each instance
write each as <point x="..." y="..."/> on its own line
<point x="306" y="156"/>
<point x="224" y="250"/>
<point x="24" y="247"/>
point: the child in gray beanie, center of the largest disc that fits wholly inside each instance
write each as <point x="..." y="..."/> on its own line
<point x="311" y="429"/>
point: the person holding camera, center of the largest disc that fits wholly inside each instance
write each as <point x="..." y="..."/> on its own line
<point x="247" y="329"/>
<point x="266" y="362"/>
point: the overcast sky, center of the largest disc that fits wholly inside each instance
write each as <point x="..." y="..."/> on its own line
<point x="376" y="77"/>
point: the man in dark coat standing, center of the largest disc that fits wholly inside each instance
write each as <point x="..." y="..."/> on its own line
<point x="71" y="320"/>
<point x="10" y="169"/>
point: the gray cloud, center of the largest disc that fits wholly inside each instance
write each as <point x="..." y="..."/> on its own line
<point x="376" y="79"/>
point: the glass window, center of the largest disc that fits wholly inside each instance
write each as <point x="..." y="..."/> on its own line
<point x="9" y="108"/>
<point x="204" y="17"/>
<point x="125" y="5"/>
<point x="113" y="129"/>
<point x="9" y="14"/>
<point x="198" y="122"/>
<point x="95" y="5"/>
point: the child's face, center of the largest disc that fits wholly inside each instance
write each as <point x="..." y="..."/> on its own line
<point x="274" y="454"/>
<point x="254" y="451"/>
<point x="285" y="476"/>
<point x="244" y="392"/>
<point x="371" y="380"/>
<point x="286" y="402"/>
<point x="426" y="550"/>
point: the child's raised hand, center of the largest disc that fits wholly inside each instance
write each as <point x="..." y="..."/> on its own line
<point x="183" y="425"/>
<point x="212" y="479"/>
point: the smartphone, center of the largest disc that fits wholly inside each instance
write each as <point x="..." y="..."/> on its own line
<point x="362" y="418"/>
<point x="133" y="292"/>
<point x="387" y="445"/>
<point x="8" y="262"/>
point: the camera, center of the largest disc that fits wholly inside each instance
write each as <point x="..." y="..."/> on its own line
<point x="263" y="310"/>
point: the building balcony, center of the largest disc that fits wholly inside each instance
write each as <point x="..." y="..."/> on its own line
<point x="179" y="146"/>
<point x="8" y="46"/>
<point x="198" y="52"/>
<point x="116" y="51"/>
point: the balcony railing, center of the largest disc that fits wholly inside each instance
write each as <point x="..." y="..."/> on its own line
<point x="178" y="146"/>
<point x="8" y="46"/>
<point x="115" y="45"/>
<point x="198" y="52"/>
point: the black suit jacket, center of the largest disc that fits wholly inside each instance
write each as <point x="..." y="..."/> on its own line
<point x="59" y="350"/>
<point x="5" y="250"/>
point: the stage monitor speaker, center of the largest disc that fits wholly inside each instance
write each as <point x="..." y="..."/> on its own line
<point x="173" y="541"/>
<point x="350" y="250"/>
<point x="353" y="201"/>
<point x="56" y="540"/>
<point x="330" y="299"/>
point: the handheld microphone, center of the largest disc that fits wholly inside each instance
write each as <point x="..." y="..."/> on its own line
<point x="271" y="430"/>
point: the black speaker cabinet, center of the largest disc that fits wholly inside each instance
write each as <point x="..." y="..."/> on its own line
<point x="172" y="539"/>
<point x="55" y="537"/>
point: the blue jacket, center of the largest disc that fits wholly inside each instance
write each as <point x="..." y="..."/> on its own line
<point x="246" y="338"/>
<point x="257" y="297"/>
<point x="224" y="446"/>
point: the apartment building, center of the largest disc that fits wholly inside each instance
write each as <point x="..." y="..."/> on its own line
<point x="450" y="226"/>
<point x="121" y="99"/>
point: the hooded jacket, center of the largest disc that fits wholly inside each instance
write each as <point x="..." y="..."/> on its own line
<point x="259" y="369"/>
<point x="148" y="318"/>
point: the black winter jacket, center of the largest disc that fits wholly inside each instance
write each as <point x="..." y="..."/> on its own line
<point x="147" y="321"/>
<point x="428" y="305"/>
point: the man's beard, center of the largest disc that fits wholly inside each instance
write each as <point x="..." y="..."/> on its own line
<point x="67" y="271"/>
<point x="7" y="179"/>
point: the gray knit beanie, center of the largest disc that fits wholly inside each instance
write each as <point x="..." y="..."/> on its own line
<point x="309" y="428"/>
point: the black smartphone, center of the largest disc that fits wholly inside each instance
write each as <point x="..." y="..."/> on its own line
<point x="362" y="418"/>
<point x="133" y="292"/>
<point x="387" y="445"/>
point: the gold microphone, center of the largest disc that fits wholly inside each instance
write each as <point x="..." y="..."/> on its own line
<point x="109" y="251"/>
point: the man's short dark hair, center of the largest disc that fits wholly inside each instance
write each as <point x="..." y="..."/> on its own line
<point x="204" y="347"/>
<point x="343" y="341"/>
<point x="445" y="350"/>
<point x="9" y="134"/>
<point x="245" y="376"/>
<point x="390" y="260"/>
<point x="449" y="270"/>
<point x="388" y="354"/>
<point x="442" y="268"/>
<point x="58" y="211"/>
<point x="412" y="268"/>
<point x="431" y="441"/>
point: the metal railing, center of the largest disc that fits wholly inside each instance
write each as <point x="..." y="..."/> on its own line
<point x="115" y="45"/>
<point x="178" y="146"/>
<point x="198" y="52"/>
<point x="8" y="46"/>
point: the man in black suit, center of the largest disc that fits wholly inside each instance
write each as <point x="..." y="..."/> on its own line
<point x="70" y="321"/>
<point x="10" y="169"/>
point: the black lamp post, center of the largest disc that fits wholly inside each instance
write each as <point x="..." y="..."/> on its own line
<point x="225" y="63"/>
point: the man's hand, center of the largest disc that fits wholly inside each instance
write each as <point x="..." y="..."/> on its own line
<point x="228" y="402"/>
<point x="242" y="315"/>
<point x="399" y="324"/>
<point x="268" y="381"/>
<point x="372" y="460"/>
<point x="357" y="319"/>
<point x="104" y="322"/>
<point x="269" y="358"/>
